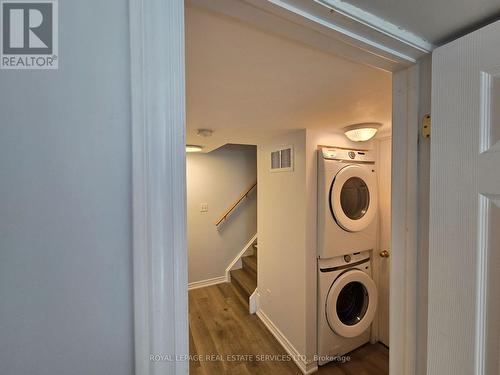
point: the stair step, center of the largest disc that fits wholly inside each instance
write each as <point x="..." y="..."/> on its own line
<point x="250" y="263"/>
<point x="245" y="282"/>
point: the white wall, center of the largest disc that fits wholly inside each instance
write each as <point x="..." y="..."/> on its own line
<point x="219" y="178"/>
<point x="281" y="213"/>
<point x="65" y="203"/>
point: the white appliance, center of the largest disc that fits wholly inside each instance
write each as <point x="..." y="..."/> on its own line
<point x="346" y="305"/>
<point x="347" y="202"/>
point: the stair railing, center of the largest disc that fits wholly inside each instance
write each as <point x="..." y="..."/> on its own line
<point x="235" y="204"/>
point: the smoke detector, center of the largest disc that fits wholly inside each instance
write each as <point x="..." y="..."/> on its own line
<point x="204" y="133"/>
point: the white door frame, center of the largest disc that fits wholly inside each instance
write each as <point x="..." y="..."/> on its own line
<point x="159" y="202"/>
<point x="159" y="187"/>
<point x="404" y="216"/>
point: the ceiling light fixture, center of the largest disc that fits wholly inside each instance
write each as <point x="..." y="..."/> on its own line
<point x="362" y="132"/>
<point x="193" y="148"/>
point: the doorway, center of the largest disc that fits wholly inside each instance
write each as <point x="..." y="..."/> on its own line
<point x="233" y="68"/>
<point x="403" y="131"/>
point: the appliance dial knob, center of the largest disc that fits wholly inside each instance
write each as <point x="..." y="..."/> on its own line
<point x="347" y="258"/>
<point x="352" y="154"/>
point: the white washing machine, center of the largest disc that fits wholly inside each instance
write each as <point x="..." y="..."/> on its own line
<point x="347" y="202"/>
<point x="346" y="305"/>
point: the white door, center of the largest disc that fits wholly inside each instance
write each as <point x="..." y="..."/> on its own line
<point x="464" y="253"/>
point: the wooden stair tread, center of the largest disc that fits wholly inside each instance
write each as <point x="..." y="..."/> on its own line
<point x="250" y="262"/>
<point x="245" y="281"/>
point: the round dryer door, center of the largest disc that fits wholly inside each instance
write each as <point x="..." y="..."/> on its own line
<point x="353" y="197"/>
<point x="351" y="303"/>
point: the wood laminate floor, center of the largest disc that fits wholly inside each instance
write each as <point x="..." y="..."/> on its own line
<point x="225" y="339"/>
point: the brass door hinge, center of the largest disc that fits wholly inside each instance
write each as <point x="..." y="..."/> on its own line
<point x="426" y="126"/>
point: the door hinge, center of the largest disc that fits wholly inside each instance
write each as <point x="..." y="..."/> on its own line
<point x="426" y="126"/>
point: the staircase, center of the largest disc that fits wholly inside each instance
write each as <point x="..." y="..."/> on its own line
<point x="245" y="279"/>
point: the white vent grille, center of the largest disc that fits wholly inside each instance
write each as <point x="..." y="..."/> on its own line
<point x="286" y="158"/>
<point x="282" y="160"/>
<point x="275" y="160"/>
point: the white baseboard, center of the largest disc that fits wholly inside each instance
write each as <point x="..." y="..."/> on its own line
<point x="207" y="282"/>
<point x="307" y="367"/>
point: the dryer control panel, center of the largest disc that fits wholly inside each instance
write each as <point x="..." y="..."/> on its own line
<point x="348" y="155"/>
<point x="358" y="259"/>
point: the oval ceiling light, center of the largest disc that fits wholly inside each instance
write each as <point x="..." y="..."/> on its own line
<point x="193" y="148"/>
<point x="362" y="132"/>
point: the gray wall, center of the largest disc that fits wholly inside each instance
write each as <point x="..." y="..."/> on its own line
<point x="65" y="203"/>
<point x="219" y="178"/>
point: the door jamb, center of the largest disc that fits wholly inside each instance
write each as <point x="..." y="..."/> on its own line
<point x="404" y="217"/>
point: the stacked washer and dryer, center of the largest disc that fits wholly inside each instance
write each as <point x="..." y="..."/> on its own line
<point x="347" y="235"/>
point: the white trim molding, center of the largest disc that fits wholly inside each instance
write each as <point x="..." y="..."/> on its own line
<point x="236" y="262"/>
<point x="404" y="260"/>
<point x="159" y="188"/>
<point x="207" y="282"/>
<point x="307" y="367"/>
<point x="378" y="24"/>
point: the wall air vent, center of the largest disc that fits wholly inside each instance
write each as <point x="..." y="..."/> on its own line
<point x="275" y="160"/>
<point x="282" y="160"/>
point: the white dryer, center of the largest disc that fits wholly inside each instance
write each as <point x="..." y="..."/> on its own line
<point x="347" y="202"/>
<point x="347" y="303"/>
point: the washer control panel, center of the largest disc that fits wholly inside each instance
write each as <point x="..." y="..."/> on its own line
<point x="348" y="155"/>
<point x="345" y="261"/>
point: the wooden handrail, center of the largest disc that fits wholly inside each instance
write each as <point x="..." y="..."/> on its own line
<point x="243" y="196"/>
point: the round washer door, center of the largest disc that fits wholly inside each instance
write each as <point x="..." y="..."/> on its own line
<point x="353" y="198"/>
<point x="351" y="303"/>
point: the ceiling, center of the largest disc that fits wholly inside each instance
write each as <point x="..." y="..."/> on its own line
<point x="437" y="21"/>
<point x="245" y="84"/>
